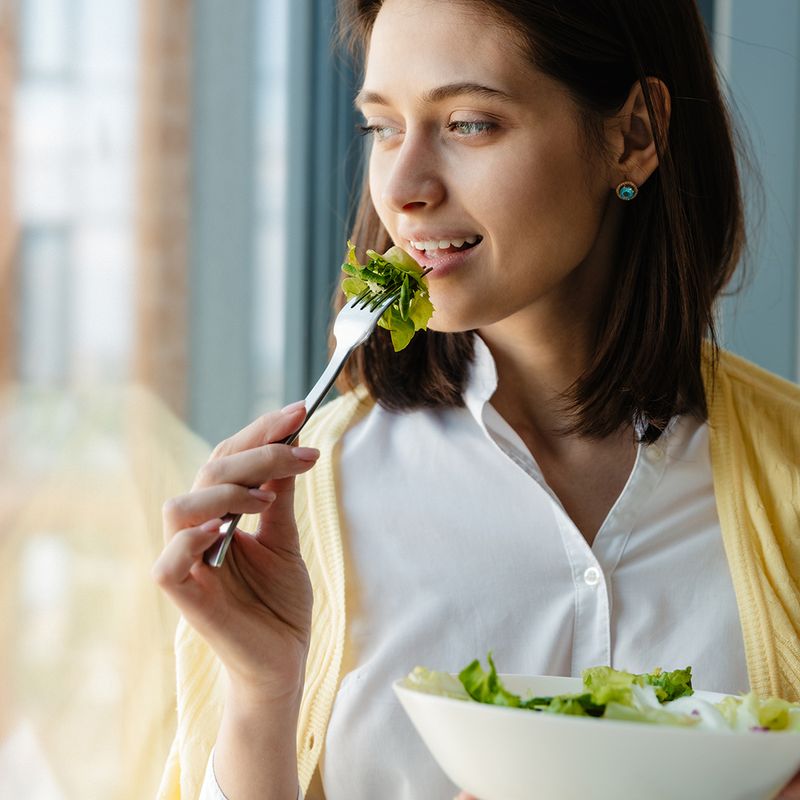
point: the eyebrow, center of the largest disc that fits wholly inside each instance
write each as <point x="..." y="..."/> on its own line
<point x="438" y="94"/>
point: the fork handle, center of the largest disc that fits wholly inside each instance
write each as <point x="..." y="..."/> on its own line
<point x="215" y="555"/>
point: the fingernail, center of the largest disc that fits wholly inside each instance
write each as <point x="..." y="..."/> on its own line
<point x="292" y="407"/>
<point x="267" y="497"/>
<point x="305" y="453"/>
<point x="211" y="525"/>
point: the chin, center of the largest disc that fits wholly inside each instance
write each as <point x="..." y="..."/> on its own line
<point x="449" y="326"/>
<point x="460" y="320"/>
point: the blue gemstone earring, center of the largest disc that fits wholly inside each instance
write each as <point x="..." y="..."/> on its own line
<point x="627" y="190"/>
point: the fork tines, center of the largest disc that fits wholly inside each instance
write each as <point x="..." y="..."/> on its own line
<point x="371" y="299"/>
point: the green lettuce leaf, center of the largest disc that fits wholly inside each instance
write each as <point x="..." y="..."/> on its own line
<point x="485" y="687"/>
<point x="433" y="682"/>
<point x="657" y="697"/>
<point x="607" y="685"/>
<point x="576" y="705"/>
<point x="670" y="685"/>
<point x="749" y="712"/>
<point x="399" y="259"/>
<point x="395" y="268"/>
<point x="420" y="311"/>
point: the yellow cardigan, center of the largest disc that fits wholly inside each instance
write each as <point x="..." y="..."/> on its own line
<point x="754" y="422"/>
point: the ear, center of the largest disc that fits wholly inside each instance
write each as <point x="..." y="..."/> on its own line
<point x="631" y="139"/>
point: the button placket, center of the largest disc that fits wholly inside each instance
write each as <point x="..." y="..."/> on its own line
<point x="591" y="640"/>
<point x="592" y="643"/>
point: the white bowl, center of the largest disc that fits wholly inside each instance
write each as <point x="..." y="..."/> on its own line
<point x="498" y="753"/>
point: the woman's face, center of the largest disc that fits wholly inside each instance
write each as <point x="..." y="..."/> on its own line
<point x="471" y="144"/>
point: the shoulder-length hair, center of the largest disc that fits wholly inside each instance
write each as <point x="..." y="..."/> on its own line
<point x="682" y="236"/>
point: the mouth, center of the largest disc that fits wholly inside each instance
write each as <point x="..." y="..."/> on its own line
<point x="431" y="249"/>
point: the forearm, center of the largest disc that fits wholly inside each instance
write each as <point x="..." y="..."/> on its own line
<point x="256" y="752"/>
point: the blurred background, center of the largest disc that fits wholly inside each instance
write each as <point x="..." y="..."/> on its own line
<point x="176" y="180"/>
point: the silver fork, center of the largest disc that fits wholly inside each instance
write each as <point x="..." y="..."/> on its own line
<point x="352" y="326"/>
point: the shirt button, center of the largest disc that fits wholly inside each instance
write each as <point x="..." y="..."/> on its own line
<point x="592" y="576"/>
<point x="656" y="452"/>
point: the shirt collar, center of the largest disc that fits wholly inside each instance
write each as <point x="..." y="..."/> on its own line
<point x="481" y="381"/>
<point x="482" y="384"/>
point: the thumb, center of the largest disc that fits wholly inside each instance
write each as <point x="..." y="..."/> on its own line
<point x="277" y="526"/>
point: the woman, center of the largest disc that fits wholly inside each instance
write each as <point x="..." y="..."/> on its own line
<point x="560" y="470"/>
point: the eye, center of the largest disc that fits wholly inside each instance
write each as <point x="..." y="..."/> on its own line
<point x="471" y="127"/>
<point x="378" y="132"/>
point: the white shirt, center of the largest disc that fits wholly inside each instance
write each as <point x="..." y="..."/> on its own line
<point x="462" y="548"/>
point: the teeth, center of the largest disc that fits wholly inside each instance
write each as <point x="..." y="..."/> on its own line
<point x="442" y="244"/>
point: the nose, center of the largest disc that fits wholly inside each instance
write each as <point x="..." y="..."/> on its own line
<point x="413" y="178"/>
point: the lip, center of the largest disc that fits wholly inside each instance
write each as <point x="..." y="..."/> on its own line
<point x="444" y="264"/>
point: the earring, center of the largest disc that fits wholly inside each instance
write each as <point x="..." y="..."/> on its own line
<point x="627" y="190"/>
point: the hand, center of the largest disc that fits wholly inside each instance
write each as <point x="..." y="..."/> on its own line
<point x="254" y="611"/>
<point x="465" y="796"/>
<point x="792" y="791"/>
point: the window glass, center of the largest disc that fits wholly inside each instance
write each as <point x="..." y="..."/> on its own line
<point x="45" y="290"/>
<point x="100" y="112"/>
<point x="75" y="155"/>
<point x="272" y="256"/>
<point x="46" y="36"/>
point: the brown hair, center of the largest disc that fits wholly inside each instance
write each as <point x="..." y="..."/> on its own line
<point x="683" y="234"/>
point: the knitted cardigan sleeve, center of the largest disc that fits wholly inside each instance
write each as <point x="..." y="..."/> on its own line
<point x="754" y="423"/>
<point x="200" y="677"/>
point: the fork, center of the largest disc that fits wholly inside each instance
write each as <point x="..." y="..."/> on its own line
<point x="352" y="326"/>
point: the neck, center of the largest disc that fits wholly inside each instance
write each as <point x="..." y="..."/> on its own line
<point x="534" y="379"/>
<point x="541" y="351"/>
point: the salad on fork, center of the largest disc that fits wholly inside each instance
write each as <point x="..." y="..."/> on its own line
<point x="389" y="291"/>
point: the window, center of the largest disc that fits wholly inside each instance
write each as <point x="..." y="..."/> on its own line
<point x="271" y="256"/>
<point x="75" y="152"/>
<point x="45" y="341"/>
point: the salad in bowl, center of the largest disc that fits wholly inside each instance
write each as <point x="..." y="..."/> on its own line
<point x="609" y="735"/>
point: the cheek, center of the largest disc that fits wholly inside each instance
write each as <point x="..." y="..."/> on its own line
<point x="376" y="184"/>
<point x="546" y="205"/>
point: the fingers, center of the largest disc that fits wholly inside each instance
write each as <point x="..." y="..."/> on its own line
<point x="247" y="474"/>
<point x="230" y="481"/>
<point x="182" y="552"/>
<point x="193" y="509"/>
<point x="257" y="465"/>
<point x="271" y="427"/>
